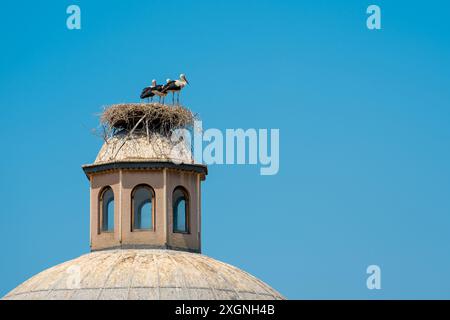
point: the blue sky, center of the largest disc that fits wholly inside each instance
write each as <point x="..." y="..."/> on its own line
<point x="364" y="133"/>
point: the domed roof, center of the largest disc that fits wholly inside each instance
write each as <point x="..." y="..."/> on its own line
<point x="143" y="274"/>
<point x="139" y="147"/>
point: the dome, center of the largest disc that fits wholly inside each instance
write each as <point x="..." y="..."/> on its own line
<point x="143" y="274"/>
<point x="155" y="147"/>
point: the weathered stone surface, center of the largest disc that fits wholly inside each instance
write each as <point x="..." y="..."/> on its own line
<point x="140" y="147"/>
<point x="143" y="274"/>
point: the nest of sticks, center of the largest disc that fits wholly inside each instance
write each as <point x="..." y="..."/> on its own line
<point x="147" y="118"/>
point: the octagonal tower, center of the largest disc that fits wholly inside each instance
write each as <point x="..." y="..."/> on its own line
<point x="145" y="189"/>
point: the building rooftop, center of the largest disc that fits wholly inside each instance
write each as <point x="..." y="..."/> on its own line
<point x="145" y="198"/>
<point x="140" y="147"/>
<point x="144" y="274"/>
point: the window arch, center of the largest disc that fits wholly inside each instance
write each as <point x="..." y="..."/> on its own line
<point x="107" y="210"/>
<point x="142" y="208"/>
<point x="180" y="207"/>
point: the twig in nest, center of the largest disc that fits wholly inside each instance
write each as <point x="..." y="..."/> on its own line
<point x="160" y="118"/>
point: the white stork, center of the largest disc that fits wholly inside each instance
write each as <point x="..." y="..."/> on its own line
<point x="154" y="89"/>
<point x="147" y="92"/>
<point x="175" y="86"/>
<point x="158" y="90"/>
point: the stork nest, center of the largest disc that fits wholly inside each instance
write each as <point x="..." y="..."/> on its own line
<point x="146" y="117"/>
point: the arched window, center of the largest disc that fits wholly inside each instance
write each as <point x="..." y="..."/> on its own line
<point x="142" y="199"/>
<point x="107" y="210"/>
<point x="180" y="205"/>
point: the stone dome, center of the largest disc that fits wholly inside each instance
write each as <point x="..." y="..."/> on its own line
<point x="140" y="147"/>
<point x="143" y="274"/>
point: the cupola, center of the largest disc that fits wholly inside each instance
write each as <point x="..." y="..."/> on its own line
<point x="145" y="189"/>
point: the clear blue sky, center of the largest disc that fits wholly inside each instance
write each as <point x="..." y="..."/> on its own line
<point x="363" y="117"/>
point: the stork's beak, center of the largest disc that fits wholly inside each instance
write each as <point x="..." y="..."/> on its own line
<point x="186" y="81"/>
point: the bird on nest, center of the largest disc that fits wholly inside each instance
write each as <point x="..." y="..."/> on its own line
<point x="173" y="86"/>
<point x="154" y="90"/>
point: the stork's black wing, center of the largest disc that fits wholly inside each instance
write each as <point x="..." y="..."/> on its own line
<point x="169" y="86"/>
<point x="158" y="88"/>
<point x="147" y="93"/>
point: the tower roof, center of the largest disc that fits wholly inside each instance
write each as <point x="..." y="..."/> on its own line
<point x="143" y="132"/>
<point x="140" y="147"/>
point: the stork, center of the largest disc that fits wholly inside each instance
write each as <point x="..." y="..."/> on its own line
<point x="175" y="86"/>
<point x="147" y="92"/>
<point x="158" y="90"/>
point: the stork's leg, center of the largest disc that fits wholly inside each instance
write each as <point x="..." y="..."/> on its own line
<point x="173" y="97"/>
